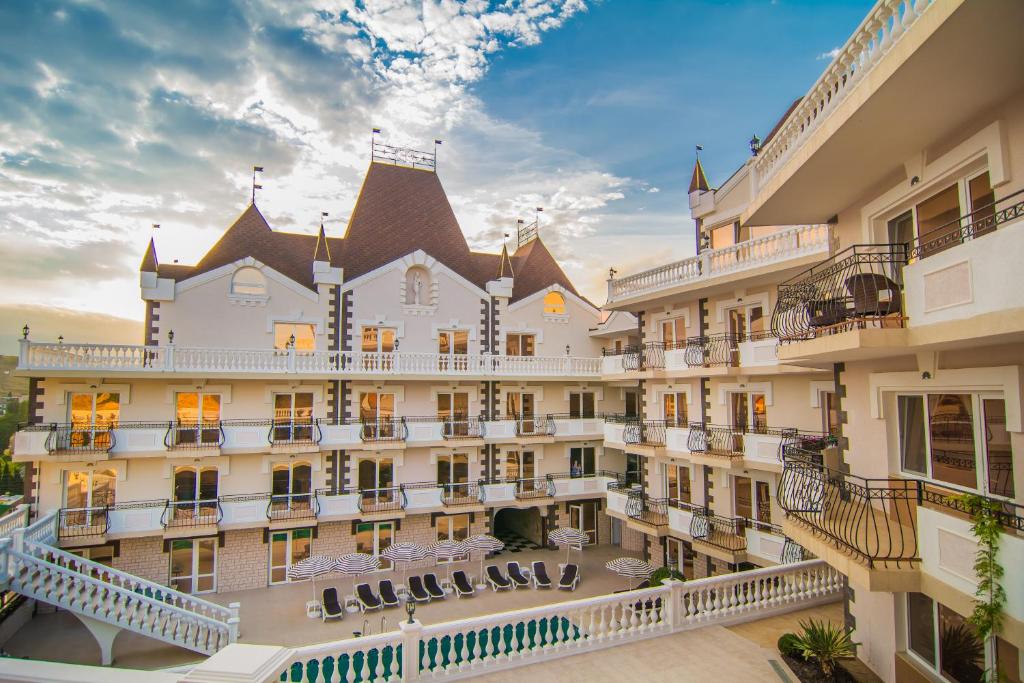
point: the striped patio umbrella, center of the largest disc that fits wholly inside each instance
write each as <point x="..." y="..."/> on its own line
<point x="356" y="564"/>
<point x="630" y="567"/>
<point x="483" y="543"/>
<point x="568" y="537"/>
<point x="404" y="552"/>
<point x="310" y="568"/>
<point x="447" y="551"/>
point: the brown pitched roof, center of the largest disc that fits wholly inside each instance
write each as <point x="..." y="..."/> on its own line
<point x="699" y="181"/>
<point x="399" y="210"/>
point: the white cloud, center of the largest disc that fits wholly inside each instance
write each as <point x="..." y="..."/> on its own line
<point x="830" y="55"/>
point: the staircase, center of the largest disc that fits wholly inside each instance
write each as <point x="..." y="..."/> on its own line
<point x="108" y="600"/>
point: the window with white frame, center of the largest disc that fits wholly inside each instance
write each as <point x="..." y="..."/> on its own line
<point x="288" y="548"/>
<point x="956" y="438"/>
<point x="581" y="404"/>
<point x="674" y="408"/>
<point x="747" y="322"/>
<point x="946" y="643"/>
<point x="520" y="344"/>
<point x="582" y="461"/>
<point x="673" y="332"/>
<point x="378" y="339"/>
<point x="677" y="483"/>
<point x="299" y="336"/>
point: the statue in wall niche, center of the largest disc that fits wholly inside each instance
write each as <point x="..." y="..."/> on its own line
<point x="417" y="288"/>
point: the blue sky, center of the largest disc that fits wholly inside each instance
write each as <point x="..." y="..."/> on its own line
<point x="117" y="115"/>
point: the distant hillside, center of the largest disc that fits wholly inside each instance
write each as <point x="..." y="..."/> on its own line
<point x="8" y="382"/>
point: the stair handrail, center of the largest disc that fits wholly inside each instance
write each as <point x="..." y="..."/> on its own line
<point x="128" y="582"/>
<point x="228" y="627"/>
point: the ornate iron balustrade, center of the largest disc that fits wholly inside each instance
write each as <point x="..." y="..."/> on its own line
<point x="861" y="286"/>
<point x="294" y="432"/>
<point x="534" y="426"/>
<point x="717" y="350"/>
<point x="187" y="514"/>
<point x="535" y="487"/>
<point x="462" y="493"/>
<point x="194" y="435"/>
<point x="800" y="441"/>
<point x="979" y="222"/>
<point x="644" y="433"/>
<point x="293" y="506"/>
<point x="643" y="508"/>
<point x="721" y="440"/>
<point x="461" y="428"/>
<point x="644" y="356"/>
<point x="384" y="429"/>
<point x="793" y="552"/>
<point x="727" y="533"/>
<point x="81" y="438"/>
<point x="83" y="522"/>
<point x="387" y="499"/>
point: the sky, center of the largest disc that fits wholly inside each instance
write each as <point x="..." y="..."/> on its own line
<point x="115" y="116"/>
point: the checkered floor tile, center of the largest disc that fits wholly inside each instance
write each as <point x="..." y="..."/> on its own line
<point x="514" y="543"/>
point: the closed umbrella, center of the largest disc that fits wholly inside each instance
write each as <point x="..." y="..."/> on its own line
<point x="630" y="567"/>
<point x="310" y="568"/>
<point x="356" y="564"/>
<point x="404" y="552"/>
<point x="568" y="537"/>
<point x="447" y="551"/>
<point x="484" y="543"/>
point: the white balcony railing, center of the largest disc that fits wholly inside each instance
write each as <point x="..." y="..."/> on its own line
<point x="883" y="27"/>
<point x="789" y="243"/>
<point x="38" y="356"/>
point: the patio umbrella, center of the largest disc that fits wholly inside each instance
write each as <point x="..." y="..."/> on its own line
<point x="630" y="567"/>
<point x="356" y="564"/>
<point x="484" y="543"/>
<point x="404" y="552"/>
<point x="447" y="550"/>
<point x="568" y="537"/>
<point x="310" y="568"/>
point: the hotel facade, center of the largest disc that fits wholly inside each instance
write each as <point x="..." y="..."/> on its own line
<point x="835" y="368"/>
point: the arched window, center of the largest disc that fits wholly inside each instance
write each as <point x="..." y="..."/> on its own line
<point x="250" y="281"/>
<point x="554" y="303"/>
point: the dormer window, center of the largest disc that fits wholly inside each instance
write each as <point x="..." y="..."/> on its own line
<point x="554" y="304"/>
<point x="249" y="281"/>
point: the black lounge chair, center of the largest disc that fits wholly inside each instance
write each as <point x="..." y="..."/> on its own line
<point x="433" y="587"/>
<point x="387" y="593"/>
<point x="540" y="575"/>
<point x="873" y="295"/>
<point x="498" y="581"/>
<point x="367" y="600"/>
<point x="330" y="608"/>
<point x="570" y="577"/>
<point x="417" y="591"/>
<point x="462" y="585"/>
<point x="519" y="580"/>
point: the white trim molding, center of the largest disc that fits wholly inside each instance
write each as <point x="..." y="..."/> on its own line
<point x="124" y="391"/>
<point x="818" y="386"/>
<point x="223" y="390"/>
<point x="745" y="388"/>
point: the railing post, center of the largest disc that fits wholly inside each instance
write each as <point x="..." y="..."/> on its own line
<point x="674" y="599"/>
<point x="291" y="358"/>
<point x="5" y="560"/>
<point x="412" y="634"/>
<point x="18" y="540"/>
<point x="23" y="345"/>
<point x="233" y="621"/>
<point x="169" y="357"/>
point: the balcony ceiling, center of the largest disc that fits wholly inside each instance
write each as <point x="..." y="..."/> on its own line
<point x="970" y="63"/>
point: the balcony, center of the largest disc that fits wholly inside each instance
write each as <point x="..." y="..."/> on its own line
<point x="647" y="514"/>
<point x="723" y="354"/>
<point x="742" y="446"/>
<point x="66" y="359"/>
<point x="534" y="488"/>
<point x="867" y="526"/>
<point x="461" y="428"/>
<point x="781" y="250"/>
<point x="384" y="430"/>
<point x="893" y="90"/>
<point x="381" y="501"/>
<point x="194" y="436"/>
<point x="527" y="429"/>
<point x="76" y="440"/>
<point x="633" y="359"/>
<point x="460" y="495"/>
<point x="82" y="524"/>
<point x="191" y="515"/>
<point x="721" y="537"/>
<point x="293" y="507"/>
<point x="646" y="434"/>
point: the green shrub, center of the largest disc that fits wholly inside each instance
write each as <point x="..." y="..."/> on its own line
<point x="825" y="643"/>
<point x="789" y="645"/>
<point x="661" y="573"/>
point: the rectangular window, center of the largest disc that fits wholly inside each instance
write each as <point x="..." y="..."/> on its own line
<point x="197" y="417"/>
<point x="453" y="412"/>
<point x="829" y="403"/>
<point x="286" y="549"/>
<point x="764" y="502"/>
<point x="293" y="416"/>
<point x="673" y="332"/>
<point x="679" y="556"/>
<point x="979" y="190"/>
<point x="634" y="469"/>
<point x="378" y="339"/>
<point x="937" y="220"/>
<point x="913" y="449"/>
<point x="951" y="434"/>
<point x="1008" y="661"/>
<point x="300" y="335"/>
<point x="583" y="516"/>
<point x="519" y="465"/>
<point x="677" y="483"/>
<point x="997" y="448"/>
<point x="453" y="469"/>
<point x="581" y="404"/>
<point x="452" y="346"/>
<point x="746" y="322"/>
<point x="582" y="461"/>
<point x="453" y="528"/>
<point x="742" y="497"/>
<point x="944" y="640"/>
<point x="519" y="345"/>
<point x="373" y="538"/>
<point x="723" y="236"/>
<point x="519" y="405"/>
<point x="921" y="626"/>
<point x="194" y="565"/>
<point x="674" y="409"/>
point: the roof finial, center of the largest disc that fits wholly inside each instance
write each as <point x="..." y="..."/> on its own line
<point x="699" y="181"/>
<point x="321" y="241"/>
<point x="255" y="185"/>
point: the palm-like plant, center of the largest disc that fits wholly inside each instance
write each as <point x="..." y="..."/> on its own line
<point x="825" y="643"/>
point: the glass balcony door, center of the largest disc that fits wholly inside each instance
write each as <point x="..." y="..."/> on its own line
<point x="92" y="416"/>
<point x="453" y="347"/>
<point x="84" y="493"/>
<point x="194" y="565"/>
<point x="377" y="412"/>
<point x="286" y="549"/>
<point x="583" y="516"/>
<point x="293" y="416"/>
<point x="453" y="412"/>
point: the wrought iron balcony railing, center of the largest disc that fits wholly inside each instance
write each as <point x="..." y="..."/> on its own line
<point x="384" y="429"/>
<point x="461" y="428"/>
<point x="644" y="432"/>
<point x="639" y="357"/>
<point x="534" y="426"/>
<point x="535" y="487"/>
<point x="187" y="514"/>
<point x="81" y="438"/>
<point x="727" y="533"/>
<point x="83" y="522"/>
<point x="293" y="506"/>
<point x="979" y="222"/>
<point x="872" y="519"/>
<point x="194" y="435"/>
<point x="710" y="351"/>
<point x="643" y="508"/>
<point x="304" y="431"/>
<point x="464" y="493"/>
<point x="861" y="286"/>
<point x="387" y="499"/>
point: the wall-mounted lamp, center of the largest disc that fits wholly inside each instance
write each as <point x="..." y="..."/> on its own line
<point x="914" y="181"/>
<point x="24" y="332"/>
<point x="170" y="337"/>
<point x="926" y="375"/>
<point x="755" y="145"/>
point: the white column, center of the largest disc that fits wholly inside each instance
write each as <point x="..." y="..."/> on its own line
<point x="411" y="636"/>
